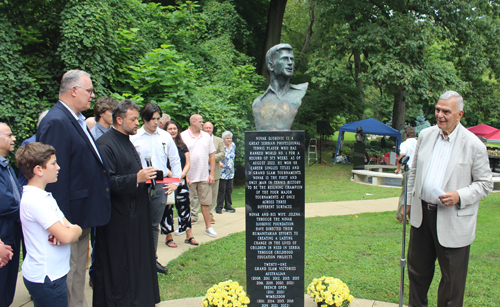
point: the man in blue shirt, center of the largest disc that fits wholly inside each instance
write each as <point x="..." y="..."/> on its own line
<point x="10" y="224"/>
<point x="103" y="112"/>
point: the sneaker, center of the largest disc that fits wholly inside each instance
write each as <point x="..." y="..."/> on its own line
<point x="177" y="233"/>
<point x="230" y="209"/>
<point x="218" y="211"/>
<point x="211" y="232"/>
<point x="212" y="221"/>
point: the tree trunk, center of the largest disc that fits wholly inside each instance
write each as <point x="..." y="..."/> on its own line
<point x="398" y="111"/>
<point x="273" y="31"/>
<point x="309" y="30"/>
<point x="359" y="81"/>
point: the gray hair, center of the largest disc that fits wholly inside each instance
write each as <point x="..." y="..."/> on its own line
<point x="226" y="134"/>
<point x="2" y="123"/>
<point x="271" y="53"/>
<point x="460" y="100"/>
<point x="164" y="118"/>
<point x="70" y="79"/>
<point x="42" y="115"/>
<point x="121" y="109"/>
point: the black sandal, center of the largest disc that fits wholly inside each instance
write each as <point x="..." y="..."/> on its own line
<point x="191" y="241"/>
<point x="171" y="243"/>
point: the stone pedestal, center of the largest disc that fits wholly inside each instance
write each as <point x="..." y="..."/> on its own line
<point x="275" y="199"/>
<point x="358" y="160"/>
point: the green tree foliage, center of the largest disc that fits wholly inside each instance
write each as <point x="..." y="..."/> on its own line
<point x="94" y="37"/>
<point x="37" y="34"/>
<point x="392" y="41"/>
<point x="331" y="93"/>
<point x="183" y="57"/>
<point x="472" y="28"/>
<point x="201" y="72"/>
<point x="160" y="77"/>
<point x="396" y="57"/>
<point x="19" y="92"/>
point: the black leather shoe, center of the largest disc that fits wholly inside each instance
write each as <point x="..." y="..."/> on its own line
<point x="230" y="209"/>
<point x="218" y="211"/>
<point x="160" y="268"/>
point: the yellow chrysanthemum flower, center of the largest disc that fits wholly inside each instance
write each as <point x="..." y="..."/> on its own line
<point x="332" y="292"/>
<point x="226" y="294"/>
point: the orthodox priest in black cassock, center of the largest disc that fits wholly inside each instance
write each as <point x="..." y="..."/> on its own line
<point x="125" y="262"/>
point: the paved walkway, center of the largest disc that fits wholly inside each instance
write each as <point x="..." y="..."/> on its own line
<point x="228" y="223"/>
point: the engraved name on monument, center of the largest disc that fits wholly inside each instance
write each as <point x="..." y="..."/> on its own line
<point x="274" y="173"/>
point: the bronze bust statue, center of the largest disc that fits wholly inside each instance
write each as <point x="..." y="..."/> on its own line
<point x="360" y="136"/>
<point x="276" y="108"/>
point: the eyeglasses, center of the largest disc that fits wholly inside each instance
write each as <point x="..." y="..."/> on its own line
<point x="89" y="90"/>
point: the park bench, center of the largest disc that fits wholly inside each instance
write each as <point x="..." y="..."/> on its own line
<point x="496" y="183"/>
<point x="378" y="178"/>
<point x="379" y="167"/>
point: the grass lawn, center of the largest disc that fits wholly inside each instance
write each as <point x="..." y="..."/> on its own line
<point x="363" y="250"/>
<point x="348" y="136"/>
<point x="325" y="183"/>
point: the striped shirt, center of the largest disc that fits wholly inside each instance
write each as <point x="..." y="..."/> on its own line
<point x="199" y="150"/>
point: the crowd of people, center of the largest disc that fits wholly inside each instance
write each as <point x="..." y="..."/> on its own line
<point x="79" y="181"/>
<point x="105" y="179"/>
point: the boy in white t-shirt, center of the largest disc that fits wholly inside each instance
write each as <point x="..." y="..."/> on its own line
<point x="47" y="233"/>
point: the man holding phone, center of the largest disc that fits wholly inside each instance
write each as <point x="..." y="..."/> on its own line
<point x="158" y="145"/>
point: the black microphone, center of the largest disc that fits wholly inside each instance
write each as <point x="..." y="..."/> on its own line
<point x="404" y="160"/>
<point x="148" y="163"/>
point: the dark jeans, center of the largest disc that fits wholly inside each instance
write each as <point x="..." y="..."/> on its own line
<point x="225" y="191"/>
<point x="50" y="293"/>
<point x="8" y="273"/>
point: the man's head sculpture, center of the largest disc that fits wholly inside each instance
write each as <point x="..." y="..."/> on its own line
<point x="276" y="108"/>
<point x="360" y="137"/>
<point x="280" y="61"/>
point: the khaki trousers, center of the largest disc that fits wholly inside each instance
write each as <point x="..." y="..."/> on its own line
<point x="195" y="203"/>
<point x="76" y="276"/>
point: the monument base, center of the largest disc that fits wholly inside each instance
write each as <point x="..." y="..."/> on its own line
<point x="275" y="200"/>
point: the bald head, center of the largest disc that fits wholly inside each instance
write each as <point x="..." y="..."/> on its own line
<point x="7" y="140"/>
<point x="208" y="128"/>
<point x="196" y="123"/>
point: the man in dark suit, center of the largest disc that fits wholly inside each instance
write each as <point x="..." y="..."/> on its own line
<point x="10" y="223"/>
<point x="82" y="191"/>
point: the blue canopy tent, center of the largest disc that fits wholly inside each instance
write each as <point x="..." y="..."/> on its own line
<point x="370" y="126"/>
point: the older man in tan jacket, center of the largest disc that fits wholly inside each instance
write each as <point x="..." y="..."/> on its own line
<point x="450" y="173"/>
